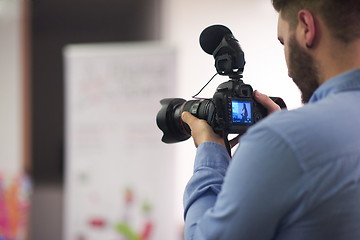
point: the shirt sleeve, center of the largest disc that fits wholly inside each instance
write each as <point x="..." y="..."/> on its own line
<point x="245" y="198"/>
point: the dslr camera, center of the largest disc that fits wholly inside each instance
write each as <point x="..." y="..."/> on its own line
<point x="232" y="109"/>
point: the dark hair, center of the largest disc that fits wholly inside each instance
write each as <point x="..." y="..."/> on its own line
<point x="342" y="17"/>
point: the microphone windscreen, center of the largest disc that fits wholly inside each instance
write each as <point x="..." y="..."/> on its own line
<point x="211" y="37"/>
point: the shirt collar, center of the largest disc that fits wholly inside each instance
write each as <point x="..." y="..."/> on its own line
<point x="344" y="82"/>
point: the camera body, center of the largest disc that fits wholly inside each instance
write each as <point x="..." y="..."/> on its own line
<point x="236" y="108"/>
<point x="232" y="109"/>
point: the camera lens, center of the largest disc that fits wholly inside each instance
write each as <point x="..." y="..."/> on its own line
<point x="169" y="119"/>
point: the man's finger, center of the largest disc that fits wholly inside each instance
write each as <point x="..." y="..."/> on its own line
<point x="187" y="118"/>
<point x="264" y="100"/>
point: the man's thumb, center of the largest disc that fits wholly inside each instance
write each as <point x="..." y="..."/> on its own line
<point x="187" y="117"/>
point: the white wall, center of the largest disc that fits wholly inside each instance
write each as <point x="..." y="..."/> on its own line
<point x="254" y="24"/>
<point x="10" y="89"/>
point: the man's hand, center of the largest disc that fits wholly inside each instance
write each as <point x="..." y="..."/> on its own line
<point x="264" y="100"/>
<point x="202" y="132"/>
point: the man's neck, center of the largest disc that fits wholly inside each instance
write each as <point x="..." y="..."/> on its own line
<point x="338" y="58"/>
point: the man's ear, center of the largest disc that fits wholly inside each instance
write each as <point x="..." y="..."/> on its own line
<point x="307" y="28"/>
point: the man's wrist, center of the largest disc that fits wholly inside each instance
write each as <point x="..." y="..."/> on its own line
<point x="211" y="154"/>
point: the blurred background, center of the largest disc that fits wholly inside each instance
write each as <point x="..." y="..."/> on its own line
<point x="33" y="113"/>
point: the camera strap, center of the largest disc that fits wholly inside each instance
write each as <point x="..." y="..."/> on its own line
<point x="227" y="143"/>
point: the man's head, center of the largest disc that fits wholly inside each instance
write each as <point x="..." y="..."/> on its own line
<point x="306" y="28"/>
<point x="342" y="17"/>
<point x="303" y="70"/>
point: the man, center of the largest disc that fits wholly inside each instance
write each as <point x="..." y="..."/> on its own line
<point x="295" y="174"/>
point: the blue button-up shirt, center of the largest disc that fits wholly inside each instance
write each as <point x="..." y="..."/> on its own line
<point x="294" y="176"/>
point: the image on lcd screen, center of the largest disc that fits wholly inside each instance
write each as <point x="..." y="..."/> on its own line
<point x="241" y="112"/>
